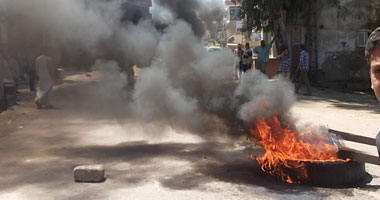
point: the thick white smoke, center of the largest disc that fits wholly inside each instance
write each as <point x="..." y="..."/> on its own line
<point x="60" y="20"/>
<point x="69" y="27"/>
<point x="257" y="97"/>
<point x="185" y="83"/>
<point x="155" y="99"/>
<point x="181" y="84"/>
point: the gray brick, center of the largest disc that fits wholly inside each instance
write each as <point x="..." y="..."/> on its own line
<point x="89" y="173"/>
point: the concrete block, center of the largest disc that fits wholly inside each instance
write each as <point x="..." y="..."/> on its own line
<point x="89" y="173"/>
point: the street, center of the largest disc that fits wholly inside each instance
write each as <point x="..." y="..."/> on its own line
<point x="40" y="148"/>
<point x="195" y="99"/>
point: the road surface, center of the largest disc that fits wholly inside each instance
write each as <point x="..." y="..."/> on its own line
<point x="40" y="148"/>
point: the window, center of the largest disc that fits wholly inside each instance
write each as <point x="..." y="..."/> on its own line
<point x="361" y="38"/>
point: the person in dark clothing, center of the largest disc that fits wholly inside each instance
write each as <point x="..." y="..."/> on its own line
<point x="32" y="74"/>
<point x="247" y="58"/>
<point x="304" y="67"/>
<point x="240" y="52"/>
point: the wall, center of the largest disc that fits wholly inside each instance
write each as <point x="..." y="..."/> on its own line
<point x="338" y="54"/>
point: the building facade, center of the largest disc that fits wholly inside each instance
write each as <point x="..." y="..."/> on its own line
<point x="336" y="40"/>
<point x="232" y="34"/>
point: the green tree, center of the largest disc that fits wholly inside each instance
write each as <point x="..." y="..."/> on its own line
<point x="273" y="15"/>
<point x="375" y="19"/>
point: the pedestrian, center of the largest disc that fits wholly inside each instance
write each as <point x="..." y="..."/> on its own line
<point x="238" y="60"/>
<point x="31" y="69"/>
<point x="304" y="66"/>
<point x="239" y="51"/>
<point x="46" y="77"/>
<point x="5" y="70"/>
<point x="247" y="58"/>
<point x="372" y="53"/>
<point x="5" y="77"/>
<point x="15" y="69"/>
<point x="263" y="55"/>
<point x="284" y="64"/>
<point x="23" y="65"/>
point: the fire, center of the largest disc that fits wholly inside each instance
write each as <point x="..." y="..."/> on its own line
<point x="287" y="151"/>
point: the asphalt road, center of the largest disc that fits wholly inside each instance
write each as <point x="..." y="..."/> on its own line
<point x="40" y="148"/>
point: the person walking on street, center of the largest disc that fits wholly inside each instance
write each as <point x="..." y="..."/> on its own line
<point x="5" y="70"/>
<point x="304" y="66"/>
<point x="15" y="69"/>
<point x="239" y="54"/>
<point x="247" y="58"/>
<point x="238" y="61"/>
<point x="23" y="65"/>
<point x="31" y="69"/>
<point x="284" y="66"/>
<point x="263" y="55"/>
<point x="46" y="77"/>
<point x="5" y="74"/>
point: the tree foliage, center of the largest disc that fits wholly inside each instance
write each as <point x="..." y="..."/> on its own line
<point x="274" y="15"/>
<point x="375" y="20"/>
<point x="261" y="14"/>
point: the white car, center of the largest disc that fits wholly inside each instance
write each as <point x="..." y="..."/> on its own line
<point x="214" y="49"/>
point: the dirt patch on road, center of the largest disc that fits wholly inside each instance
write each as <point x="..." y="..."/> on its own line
<point x="16" y="117"/>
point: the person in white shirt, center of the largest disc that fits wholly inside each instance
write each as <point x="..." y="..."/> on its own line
<point x="46" y="77"/>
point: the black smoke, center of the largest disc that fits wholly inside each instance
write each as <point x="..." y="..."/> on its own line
<point x="201" y="15"/>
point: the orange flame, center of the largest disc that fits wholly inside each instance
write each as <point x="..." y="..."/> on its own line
<point x="286" y="151"/>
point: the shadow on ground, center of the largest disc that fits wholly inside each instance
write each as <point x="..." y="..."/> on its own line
<point x="210" y="162"/>
<point x="352" y="101"/>
<point x="93" y="100"/>
<point x="47" y="160"/>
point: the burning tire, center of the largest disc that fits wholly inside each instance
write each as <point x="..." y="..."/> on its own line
<point x="337" y="173"/>
<point x="304" y="158"/>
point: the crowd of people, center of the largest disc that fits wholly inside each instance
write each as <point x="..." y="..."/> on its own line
<point x="39" y="72"/>
<point x="246" y="62"/>
<point x="244" y="55"/>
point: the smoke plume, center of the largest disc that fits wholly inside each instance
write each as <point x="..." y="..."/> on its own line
<point x="259" y="98"/>
<point x="181" y="84"/>
<point x="200" y="14"/>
